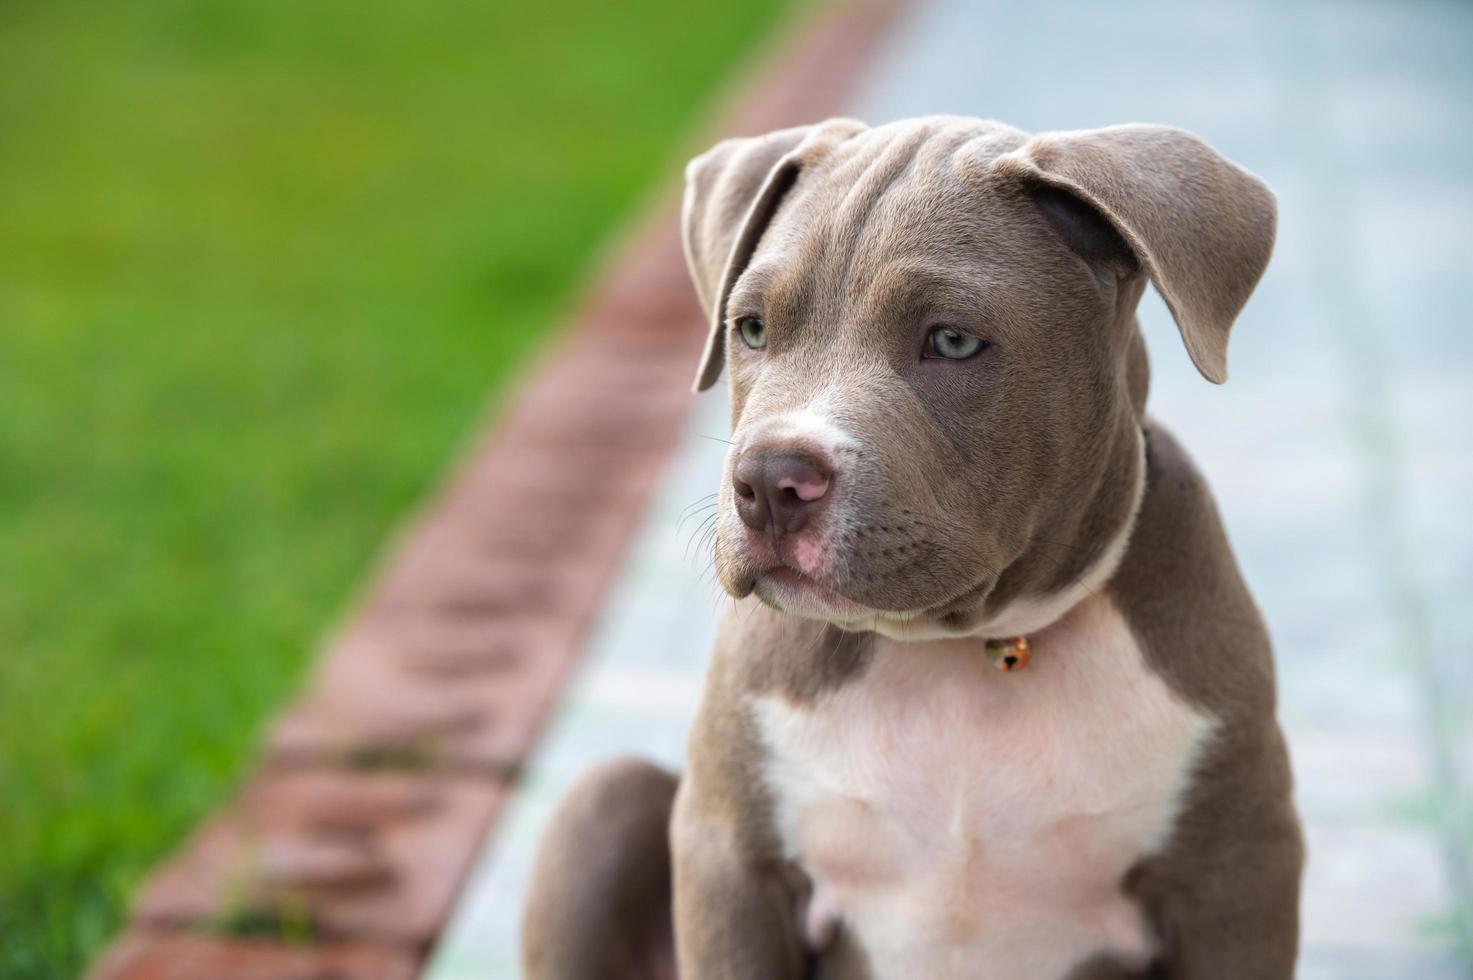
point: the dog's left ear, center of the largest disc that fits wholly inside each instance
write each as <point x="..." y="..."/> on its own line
<point x="732" y="192"/>
<point x="1201" y="227"/>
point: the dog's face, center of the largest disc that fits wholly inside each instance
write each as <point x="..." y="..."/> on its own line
<point x="937" y="381"/>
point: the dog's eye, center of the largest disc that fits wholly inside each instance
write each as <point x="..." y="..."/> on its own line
<point x="753" y="331"/>
<point x="953" y="345"/>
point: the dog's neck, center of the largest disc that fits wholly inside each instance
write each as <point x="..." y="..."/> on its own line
<point x="1014" y="653"/>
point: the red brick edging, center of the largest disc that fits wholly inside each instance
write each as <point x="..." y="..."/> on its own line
<point x="342" y="854"/>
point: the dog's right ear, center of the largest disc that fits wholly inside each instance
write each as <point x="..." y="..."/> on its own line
<point x="732" y="192"/>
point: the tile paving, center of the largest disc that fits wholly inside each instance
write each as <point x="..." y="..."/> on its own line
<point x="1341" y="451"/>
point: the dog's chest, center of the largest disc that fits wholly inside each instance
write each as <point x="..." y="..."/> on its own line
<point x="963" y="822"/>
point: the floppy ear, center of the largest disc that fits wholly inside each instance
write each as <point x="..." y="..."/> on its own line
<point x="732" y="192"/>
<point x="1201" y="227"/>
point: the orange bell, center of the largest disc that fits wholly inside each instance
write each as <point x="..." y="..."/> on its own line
<point x="1010" y="654"/>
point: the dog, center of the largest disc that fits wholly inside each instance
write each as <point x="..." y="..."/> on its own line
<point x="993" y="700"/>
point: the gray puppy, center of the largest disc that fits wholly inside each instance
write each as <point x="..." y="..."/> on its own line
<point x="941" y="465"/>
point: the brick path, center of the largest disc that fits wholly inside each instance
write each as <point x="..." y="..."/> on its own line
<point x="1341" y="451"/>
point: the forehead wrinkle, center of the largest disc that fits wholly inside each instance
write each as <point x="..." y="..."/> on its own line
<point x="910" y="284"/>
<point x="930" y="215"/>
<point x="910" y="174"/>
<point x="901" y="190"/>
<point x="866" y="180"/>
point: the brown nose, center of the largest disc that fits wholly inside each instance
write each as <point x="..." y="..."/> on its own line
<point x="778" y="489"/>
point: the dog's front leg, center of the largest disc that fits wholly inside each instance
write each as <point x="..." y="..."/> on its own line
<point x="1231" y="908"/>
<point x="735" y="915"/>
<point x="1245" y="924"/>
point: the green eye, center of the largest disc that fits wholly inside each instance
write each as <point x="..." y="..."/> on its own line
<point x="953" y="345"/>
<point x="753" y="331"/>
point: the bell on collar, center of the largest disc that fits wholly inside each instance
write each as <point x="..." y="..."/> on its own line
<point x="1010" y="654"/>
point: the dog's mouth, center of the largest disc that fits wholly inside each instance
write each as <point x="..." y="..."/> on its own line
<point x="808" y="577"/>
<point x="790" y="590"/>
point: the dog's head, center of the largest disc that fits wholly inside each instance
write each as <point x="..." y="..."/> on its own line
<point x="937" y="380"/>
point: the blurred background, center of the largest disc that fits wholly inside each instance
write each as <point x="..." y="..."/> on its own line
<point x="264" y="267"/>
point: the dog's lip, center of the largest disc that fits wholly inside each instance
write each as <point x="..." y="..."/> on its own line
<point x="787" y="574"/>
<point x="784" y="572"/>
<point x="791" y="588"/>
<point x="787" y="569"/>
<point x="778" y="580"/>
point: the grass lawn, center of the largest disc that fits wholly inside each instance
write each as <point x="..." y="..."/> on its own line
<point x="261" y="262"/>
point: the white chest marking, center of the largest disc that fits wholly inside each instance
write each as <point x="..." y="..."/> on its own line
<point x="963" y="822"/>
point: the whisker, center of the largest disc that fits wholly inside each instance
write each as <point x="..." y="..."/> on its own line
<point x="692" y="511"/>
<point x="704" y="498"/>
<point x="700" y="526"/>
<point x="701" y="534"/>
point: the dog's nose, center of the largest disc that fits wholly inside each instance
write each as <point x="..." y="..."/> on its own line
<point x="778" y="489"/>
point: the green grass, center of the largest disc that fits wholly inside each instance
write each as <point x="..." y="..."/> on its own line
<point x="261" y="262"/>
